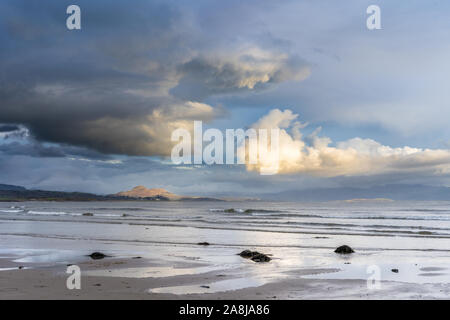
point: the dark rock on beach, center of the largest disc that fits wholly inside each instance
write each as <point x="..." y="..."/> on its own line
<point x="246" y="254"/>
<point x="260" y="257"/>
<point x="97" y="255"/>
<point x="203" y="243"/>
<point x="255" y="256"/>
<point x="344" y="250"/>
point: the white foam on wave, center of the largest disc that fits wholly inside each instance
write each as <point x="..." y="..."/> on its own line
<point x="62" y="213"/>
<point x="107" y="215"/>
<point x="230" y="210"/>
<point x="10" y="210"/>
<point x="49" y="213"/>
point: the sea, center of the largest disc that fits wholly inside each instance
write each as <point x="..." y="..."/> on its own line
<point x="412" y="237"/>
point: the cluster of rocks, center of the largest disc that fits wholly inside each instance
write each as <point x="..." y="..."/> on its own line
<point x="255" y="256"/>
<point x="247" y="254"/>
<point x="261" y="257"/>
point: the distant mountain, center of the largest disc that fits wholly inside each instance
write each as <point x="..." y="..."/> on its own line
<point x="11" y="187"/>
<point x="43" y="195"/>
<point x="17" y="193"/>
<point x="141" y="192"/>
<point x="375" y="193"/>
<point x="392" y="191"/>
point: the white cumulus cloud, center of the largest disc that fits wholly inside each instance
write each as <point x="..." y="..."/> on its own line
<point x="316" y="155"/>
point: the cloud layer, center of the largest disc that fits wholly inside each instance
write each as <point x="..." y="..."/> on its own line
<point x="79" y="108"/>
<point x="126" y="80"/>
<point x="242" y="70"/>
<point x="315" y="155"/>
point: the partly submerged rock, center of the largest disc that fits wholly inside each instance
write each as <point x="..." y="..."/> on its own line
<point x="255" y="256"/>
<point x="344" y="250"/>
<point x="247" y="253"/>
<point x="394" y="270"/>
<point x="203" y="243"/>
<point x="97" y="255"/>
<point x="88" y="214"/>
<point x="260" y="257"/>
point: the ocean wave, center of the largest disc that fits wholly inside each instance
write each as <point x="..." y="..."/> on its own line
<point x="426" y="210"/>
<point x="250" y="211"/>
<point x="230" y="210"/>
<point x="63" y="213"/>
<point x="115" y="209"/>
<point x="48" y="213"/>
<point x="111" y="215"/>
<point x="11" y="210"/>
<point x="365" y="217"/>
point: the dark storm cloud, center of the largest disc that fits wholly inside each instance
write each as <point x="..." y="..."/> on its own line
<point x="74" y="87"/>
<point x="32" y="150"/>
<point x="8" y="128"/>
<point x="202" y="76"/>
<point x="106" y="86"/>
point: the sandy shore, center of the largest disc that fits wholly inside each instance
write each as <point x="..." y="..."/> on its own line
<point x="44" y="238"/>
<point x="50" y="283"/>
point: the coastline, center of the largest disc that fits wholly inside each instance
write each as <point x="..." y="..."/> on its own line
<point x="49" y="283"/>
<point x="191" y="251"/>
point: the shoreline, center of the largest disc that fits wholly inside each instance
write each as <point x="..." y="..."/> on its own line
<point x="142" y="278"/>
<point x="50" y="283"/>
<point x="175" y="262"/>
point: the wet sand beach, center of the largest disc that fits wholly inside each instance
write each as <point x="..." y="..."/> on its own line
<point x="50" y="283"/>
<point x="154" y="251"/>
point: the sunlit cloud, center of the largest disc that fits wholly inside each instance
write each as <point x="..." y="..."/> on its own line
<point x="315" y="155"/>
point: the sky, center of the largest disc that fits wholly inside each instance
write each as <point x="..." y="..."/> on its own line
<point x="93" y="109"/>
